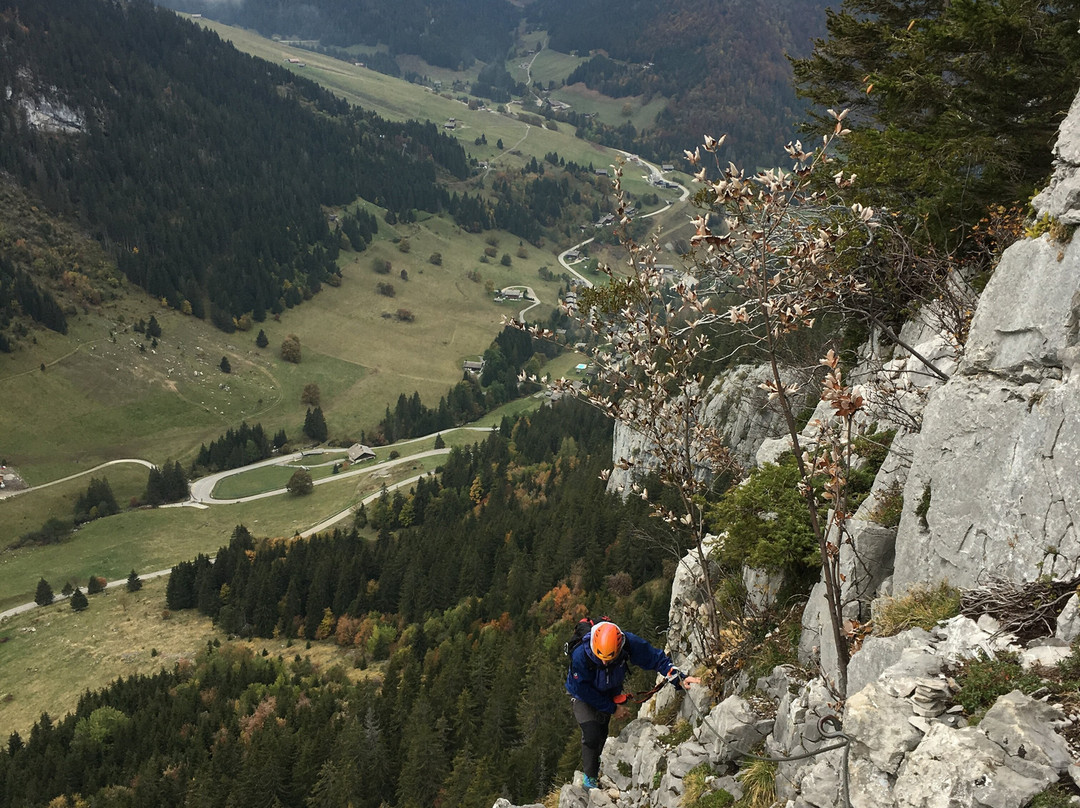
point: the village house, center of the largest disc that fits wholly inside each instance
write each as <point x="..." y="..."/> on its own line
<point x="359" y="451"/>
<point x="473" y="367"/>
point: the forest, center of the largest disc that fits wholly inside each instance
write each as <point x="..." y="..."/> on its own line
<point x="455" y="610"/>
<point x="201" y="169"/>
<point x="446" y="33"/>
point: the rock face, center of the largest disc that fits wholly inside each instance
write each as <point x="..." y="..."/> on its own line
<point x="990" y="483"/>
<point x="993" y="483"/>
<point x="736" y="405"/>
<point x="1062" y="198"/>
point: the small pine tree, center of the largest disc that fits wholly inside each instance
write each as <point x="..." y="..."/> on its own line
<point x="262" y="340"/>
<point x="94" y="585"/>
<point x="153" y="329"/>
<point x="44" y="594"/>
<point x="134" y="583"/>
<point x="78" y="600"/>
<point x="439" y="442"/>
<point x="225" y="366"/>
<point x="315" y="425"/>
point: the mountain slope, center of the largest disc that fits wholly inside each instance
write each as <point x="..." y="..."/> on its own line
<point x="721" y="64"/>
<point x="202" y="169"/>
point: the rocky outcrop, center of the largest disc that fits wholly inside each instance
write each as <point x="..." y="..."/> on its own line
<point x="993" y="483"/>
<point x="1061" y="199"/>
<point x="737" y="406"/>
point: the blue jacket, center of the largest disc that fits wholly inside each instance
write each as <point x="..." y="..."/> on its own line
<point x="597" y="684"/>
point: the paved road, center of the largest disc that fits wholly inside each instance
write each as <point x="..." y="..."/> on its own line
<point x="6" y="493"/>
<point x="654" y="174"/>
<point x="202" y="495"/>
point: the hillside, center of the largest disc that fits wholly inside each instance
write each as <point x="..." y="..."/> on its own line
<point x="696" y="67"/>
<point x="192" y="164"/>
<point x="721" y="66"/>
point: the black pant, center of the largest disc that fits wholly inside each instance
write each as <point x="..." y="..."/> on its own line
<point x="594" y="731"/>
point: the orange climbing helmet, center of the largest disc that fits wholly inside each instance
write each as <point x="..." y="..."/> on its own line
<point x="606" y="642"/>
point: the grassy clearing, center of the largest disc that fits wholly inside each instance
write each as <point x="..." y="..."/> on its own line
<point x="611" y="110"/>
<point x="53" y="655"/>
<point x="551" y="66"/>
<point x="26" y="512"/>
<point x="398" y="100"/>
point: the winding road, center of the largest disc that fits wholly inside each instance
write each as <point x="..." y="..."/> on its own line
<point x="202" y="491"/>
<point x="654" y="175"/>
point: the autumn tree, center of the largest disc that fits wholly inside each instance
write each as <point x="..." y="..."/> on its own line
<point x="312" y="396"/>
<point x="780" y="249"/>
<point x="290" y="349"/>
<point x="300" y="483"/>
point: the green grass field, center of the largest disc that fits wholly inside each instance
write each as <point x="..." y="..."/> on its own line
<point x="53" y="655"/>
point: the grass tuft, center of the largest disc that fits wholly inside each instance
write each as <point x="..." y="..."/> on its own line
<point x="922" y="607"/>
<point x="759" y="783"/>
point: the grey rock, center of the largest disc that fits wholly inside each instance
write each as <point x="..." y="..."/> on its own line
<point x="877" y="722"/>
<point x="869" y="787"/>
<point x="1045" y="655"/>
<point x="1061" y="198"/>
<point x="820" y="787"/>
<point x="638" y="747"/>
<point x="961" y="638"/>
<point x="781" y="682"/>
<point x="1068" y="622"/>
<point x="741" y="410"/>
<point x="879" y="653"/>
<point x="502" y="802"/>
<point x="761" y="588"/>
<point x="1001" y="440"/>
<point x="959" y="768"/>
<point x="1023" y="728"/>
<point x="796" y="733"/>
<point x="730" y="728"/>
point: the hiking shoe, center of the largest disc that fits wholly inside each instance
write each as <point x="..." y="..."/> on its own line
<point x="589" y="782"/>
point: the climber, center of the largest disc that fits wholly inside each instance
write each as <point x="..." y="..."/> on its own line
<point x="598" y="666"/>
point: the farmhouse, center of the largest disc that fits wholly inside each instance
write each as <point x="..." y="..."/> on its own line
<point x="474" y="367"/>
<point x="359" y="451"/>
<point x="512" y="294"/>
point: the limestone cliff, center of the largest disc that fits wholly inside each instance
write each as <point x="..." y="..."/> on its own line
<point x="990" y="485"/>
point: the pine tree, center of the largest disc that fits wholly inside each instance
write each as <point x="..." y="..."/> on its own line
<point x="94" y="585"/>
<point x="78" y="600"/>
<point x="225" y="366"/>
<point x="953" y="103"/>
<point x="315" y="425"/>
<point x="134" y="583"/>
<point x="44" y="594"/>
<point x="262" y="340"/>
